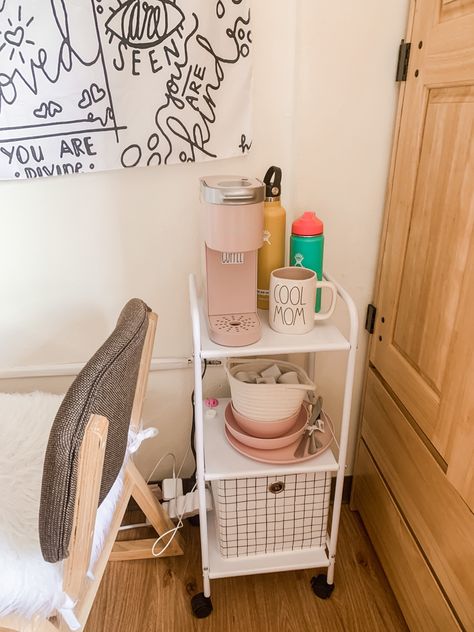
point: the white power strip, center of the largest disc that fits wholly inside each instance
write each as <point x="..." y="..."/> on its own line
<point x="171" y="488"/>
<point x="186" y="506"/>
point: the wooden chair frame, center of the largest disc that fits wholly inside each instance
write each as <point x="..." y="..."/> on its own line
<point x="81" y="588"/>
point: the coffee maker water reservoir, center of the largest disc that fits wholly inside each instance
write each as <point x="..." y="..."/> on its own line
<point x="233" y="229"/>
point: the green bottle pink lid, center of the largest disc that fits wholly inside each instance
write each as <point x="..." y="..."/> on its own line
<point x="308" y="224"/>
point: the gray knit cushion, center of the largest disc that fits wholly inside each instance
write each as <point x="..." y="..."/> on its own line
<point x="105" y="386"/>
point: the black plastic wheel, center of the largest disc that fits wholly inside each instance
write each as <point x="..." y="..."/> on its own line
<point x="320" y="586"/>
<point x="201" y="605"/>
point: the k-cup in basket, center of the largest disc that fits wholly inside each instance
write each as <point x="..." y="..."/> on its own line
<point x="266" y="402"/>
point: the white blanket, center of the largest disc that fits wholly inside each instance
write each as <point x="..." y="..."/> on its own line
<point x="28" y="584"/>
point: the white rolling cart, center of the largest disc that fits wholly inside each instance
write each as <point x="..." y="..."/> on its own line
<point x="217" y="460"/>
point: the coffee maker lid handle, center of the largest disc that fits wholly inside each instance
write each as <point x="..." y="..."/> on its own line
<point x="237" y="195"/>
<point x="232" y="190"/>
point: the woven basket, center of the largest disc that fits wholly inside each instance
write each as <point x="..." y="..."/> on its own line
<point x="266" y="402"/>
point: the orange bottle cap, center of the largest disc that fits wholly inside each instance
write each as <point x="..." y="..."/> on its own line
<point x="308" y="224"/>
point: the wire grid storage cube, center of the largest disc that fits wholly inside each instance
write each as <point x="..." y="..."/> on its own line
<point x="271" y="513"/>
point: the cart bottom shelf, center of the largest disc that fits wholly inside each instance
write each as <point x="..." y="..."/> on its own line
<point x="260" y="563"/>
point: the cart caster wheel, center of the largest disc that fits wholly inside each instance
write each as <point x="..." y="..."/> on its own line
<point x="320" y="586"/>
<point x="202" y="606"/>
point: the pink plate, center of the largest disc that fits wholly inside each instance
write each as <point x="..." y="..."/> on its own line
<point x="284" y="456"/>
<point x="265" y="443"/>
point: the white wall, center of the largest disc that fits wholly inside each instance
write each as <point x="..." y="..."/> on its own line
<point x="344" y="115"/>
<point x="73" y="249"/>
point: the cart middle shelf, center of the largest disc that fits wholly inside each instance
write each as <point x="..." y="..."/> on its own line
<point x="223" y="461"/>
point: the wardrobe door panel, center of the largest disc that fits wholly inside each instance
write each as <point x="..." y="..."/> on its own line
<point x="427" y="249"/>
<point x="440" y="520"/>
<point x="414" y="585"/>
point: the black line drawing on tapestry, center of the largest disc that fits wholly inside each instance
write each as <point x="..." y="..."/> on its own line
<point x="50" y="124"/>
<point x="15" y="42"/>
<point x="68" y="133"/>
<point x="64" y="62"/>
<point x="101" y="52"/>
<point x="184" y="111"/>
<point x="244" y="145"/>
<point x="220" y="9"/>
<point x="241" y="36"/>
<point x="200" y="99"/>
<point x="139" y="24"/>
<point x="47" y="109"/>
<point x="16" y="35"/>
<point x="91" y="95"/>
<point x="109" y="115"/>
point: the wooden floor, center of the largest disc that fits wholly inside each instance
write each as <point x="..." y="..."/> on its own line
<point x="154" y="595"/>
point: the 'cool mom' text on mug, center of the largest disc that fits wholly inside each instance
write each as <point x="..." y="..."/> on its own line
<point x="289" y="305"/>
<point x="292" y="299"/>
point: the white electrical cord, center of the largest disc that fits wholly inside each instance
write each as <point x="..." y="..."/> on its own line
<point x="180" y="523"/>
<point x="173" y="531"/>
<point x="175" y="475"/>
<point x="184" y="460"/>
<point x="159" y="463"/>
<point x="147" y="524"/>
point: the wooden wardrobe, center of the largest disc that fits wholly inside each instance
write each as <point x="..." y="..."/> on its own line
<point x="414" y="472"/>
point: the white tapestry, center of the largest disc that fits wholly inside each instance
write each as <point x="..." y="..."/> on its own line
<point x="87" y="85"/>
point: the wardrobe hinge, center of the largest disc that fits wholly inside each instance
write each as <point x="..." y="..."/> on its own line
<point x="370" y="318"/>
<point x="403" y="59"/>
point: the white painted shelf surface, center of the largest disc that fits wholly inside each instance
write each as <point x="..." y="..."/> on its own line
<point x="223" y="461"/>
<point x="323" y="337"/>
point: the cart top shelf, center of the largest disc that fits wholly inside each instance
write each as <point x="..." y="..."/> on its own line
<point x="323" y="337"/>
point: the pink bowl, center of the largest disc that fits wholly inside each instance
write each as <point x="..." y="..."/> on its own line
<point x="267" y="443"/>
<point x="265" y="429"/>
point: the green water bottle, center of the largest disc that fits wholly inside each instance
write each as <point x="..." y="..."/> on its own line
<point x="307" y="246"/>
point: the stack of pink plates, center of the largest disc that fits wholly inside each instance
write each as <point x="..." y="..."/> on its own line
<point x="272" y="449"/>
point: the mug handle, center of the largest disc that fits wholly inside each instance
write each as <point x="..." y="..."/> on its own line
<point x="328" y="313"/>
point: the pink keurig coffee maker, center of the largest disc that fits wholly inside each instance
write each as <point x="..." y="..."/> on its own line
<point x="233" y="229"/>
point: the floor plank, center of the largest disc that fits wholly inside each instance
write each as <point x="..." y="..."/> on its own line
<point x="154" y="595"/>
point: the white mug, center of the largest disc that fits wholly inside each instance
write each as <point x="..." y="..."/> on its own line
<point x="292" y="299"/>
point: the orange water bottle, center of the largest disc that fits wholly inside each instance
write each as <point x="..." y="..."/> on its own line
<point x="272" y="254"/>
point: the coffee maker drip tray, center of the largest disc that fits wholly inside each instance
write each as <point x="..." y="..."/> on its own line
<point x="235" y="330"/>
